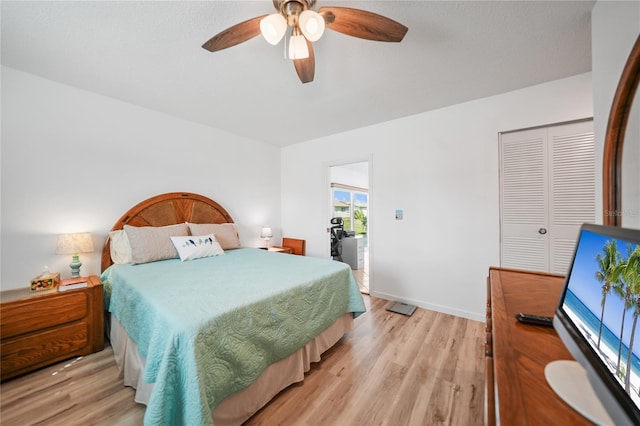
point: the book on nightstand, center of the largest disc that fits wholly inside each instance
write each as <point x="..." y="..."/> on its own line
<point x="72" y="283"/>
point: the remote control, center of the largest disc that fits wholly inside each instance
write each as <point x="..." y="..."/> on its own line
<point x="535" y="319"/>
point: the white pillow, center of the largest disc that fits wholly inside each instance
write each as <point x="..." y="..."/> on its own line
<point x="119" y="247"/>
<point x="195" y="247"/>
<point x="151" y="243"/>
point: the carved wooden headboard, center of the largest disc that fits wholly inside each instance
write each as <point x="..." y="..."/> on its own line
<point x="168" y="209"/>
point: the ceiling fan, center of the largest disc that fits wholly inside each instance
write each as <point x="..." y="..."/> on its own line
<point x="305" y="26"/>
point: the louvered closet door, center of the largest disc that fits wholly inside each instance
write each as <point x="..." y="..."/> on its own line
<point x="524" y="199"/>
<point x="572" y="189"/>
<point x="547" y="183"/>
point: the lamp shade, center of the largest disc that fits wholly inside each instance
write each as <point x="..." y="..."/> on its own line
<point x="298" y="47"/>
<point x="311" y="24"/>
<point x="266" y="232"/>
<point x="74" y="243"/>
<point x="273" y="28"/>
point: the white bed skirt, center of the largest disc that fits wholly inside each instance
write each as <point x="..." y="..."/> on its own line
<point x="238" y="407"/>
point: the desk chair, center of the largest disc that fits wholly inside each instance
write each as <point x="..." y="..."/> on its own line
<point x="337" y="234"/>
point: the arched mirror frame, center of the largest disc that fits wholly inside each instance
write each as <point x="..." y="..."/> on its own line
<point x="614" y="138"/>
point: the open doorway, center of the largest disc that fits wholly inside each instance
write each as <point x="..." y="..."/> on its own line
<point x="349" y="189"/>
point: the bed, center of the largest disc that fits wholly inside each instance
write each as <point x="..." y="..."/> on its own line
<point x="213" y="335"/>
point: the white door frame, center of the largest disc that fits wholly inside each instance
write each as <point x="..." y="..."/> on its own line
<point x="370" y="213"/>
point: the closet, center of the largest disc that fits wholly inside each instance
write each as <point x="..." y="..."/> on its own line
<point x="547" y="190"/>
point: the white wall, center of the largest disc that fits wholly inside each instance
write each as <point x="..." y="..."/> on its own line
<point x="615" y="28"/>
<point x="75" y="161"/>
<point x="353" y="174"/>
<point x="441" y="168"/>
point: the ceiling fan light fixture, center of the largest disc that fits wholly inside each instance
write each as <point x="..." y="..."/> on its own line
<point x="311" y="24"/>
<point x="298" y="47"/>
<point x="300" y="25"/>
<point x="273" y="28"/>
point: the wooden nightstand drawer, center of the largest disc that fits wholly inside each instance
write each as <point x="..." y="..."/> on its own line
<point x="20" y="318"/>
<point x="27" y="352"/>
<point x="39" y="329"/>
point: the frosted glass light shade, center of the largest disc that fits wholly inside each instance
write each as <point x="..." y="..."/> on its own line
<point x="311" y="24"/>
<point x="273" y="28"/>
<point x="298" y="47"/>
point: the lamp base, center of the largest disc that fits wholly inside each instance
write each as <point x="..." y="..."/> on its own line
<point x="75" y="266"/>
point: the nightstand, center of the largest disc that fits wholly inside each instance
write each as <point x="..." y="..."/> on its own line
<point x="280" y="249"/>
<point x="45" y="327"/>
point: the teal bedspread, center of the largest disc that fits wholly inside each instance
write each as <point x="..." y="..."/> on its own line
<point x="209" y="327"/>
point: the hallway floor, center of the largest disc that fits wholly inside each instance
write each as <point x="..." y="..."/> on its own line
<point x="362" y="275"/>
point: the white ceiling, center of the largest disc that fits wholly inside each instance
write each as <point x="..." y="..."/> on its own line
<point x="149" y="53"/>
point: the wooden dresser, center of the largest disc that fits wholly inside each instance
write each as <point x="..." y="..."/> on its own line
<point x="516" y="391"/>
<point x="41" y="328"/>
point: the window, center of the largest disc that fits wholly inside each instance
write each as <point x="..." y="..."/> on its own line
<point x="351" y="204"/>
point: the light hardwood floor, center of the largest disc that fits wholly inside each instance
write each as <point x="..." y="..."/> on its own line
<point x="362" y="275"/>
<point x="427" y="369"/>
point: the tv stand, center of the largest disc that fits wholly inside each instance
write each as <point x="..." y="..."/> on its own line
<point x="569" y="380"/>
<point x="516" y="391"/>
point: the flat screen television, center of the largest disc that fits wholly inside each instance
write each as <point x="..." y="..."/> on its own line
<point x="598" y="320"/>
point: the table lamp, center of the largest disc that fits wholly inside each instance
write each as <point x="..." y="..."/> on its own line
<point x="75" y="244"/>
<point x="266" y="234"/>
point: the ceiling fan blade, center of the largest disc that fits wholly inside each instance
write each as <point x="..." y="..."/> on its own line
<point x="362" y="24"/>
<point x="306" y="67"/>
<point x="234" y="35"/>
